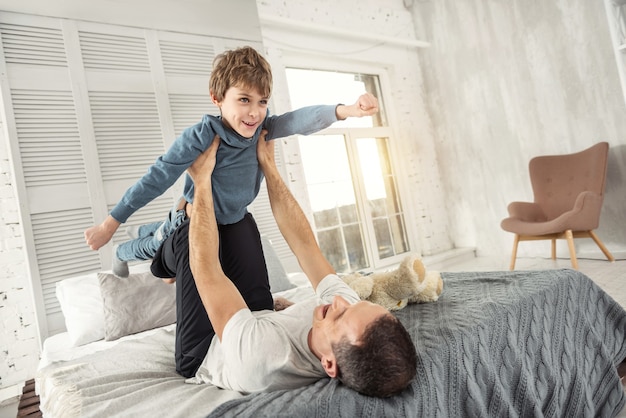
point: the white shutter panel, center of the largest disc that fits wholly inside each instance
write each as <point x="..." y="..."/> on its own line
<point x="51" y="161"/>
<point x="32" y="45"/>
<point x="45" y="142"/>
<point x="61" y="255"/>
<point x="188" y="58"/>
<point x="49" y="139"/>
<point x="188" y="109"/>
<point x="112" y="52"/>
<point x="88" y="108"/>
<point x="128" y="135"/>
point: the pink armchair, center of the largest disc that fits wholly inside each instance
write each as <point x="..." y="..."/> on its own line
<point x="568" y="193"/>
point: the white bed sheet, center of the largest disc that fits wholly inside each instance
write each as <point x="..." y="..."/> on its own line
<point x="132" y="376"/>
<point x="59" y="347"/>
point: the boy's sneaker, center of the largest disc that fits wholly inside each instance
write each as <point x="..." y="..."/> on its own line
<point x="120" y="268"/>
<point x="133" y="231"/>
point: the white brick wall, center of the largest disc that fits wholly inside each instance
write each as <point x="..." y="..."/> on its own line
<point x="19" y="346"/>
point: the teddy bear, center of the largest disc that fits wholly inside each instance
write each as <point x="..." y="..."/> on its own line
<point x="409" y="283"/>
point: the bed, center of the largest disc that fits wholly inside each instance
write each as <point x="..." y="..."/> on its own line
<point x="523" y="343"/>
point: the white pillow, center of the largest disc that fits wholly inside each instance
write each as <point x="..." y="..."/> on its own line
<point x="82" y="308"/>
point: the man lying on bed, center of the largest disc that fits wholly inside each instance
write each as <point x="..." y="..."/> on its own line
<point x="358" y="342"/>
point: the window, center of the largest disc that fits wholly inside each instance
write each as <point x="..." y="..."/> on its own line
<point x="357" y="213"/>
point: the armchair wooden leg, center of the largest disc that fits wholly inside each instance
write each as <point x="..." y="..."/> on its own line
<point x="553" y="248"/>
<point x="514" y="255"/>
<point x="572" y="249"/>
<point x="606" y="252"/>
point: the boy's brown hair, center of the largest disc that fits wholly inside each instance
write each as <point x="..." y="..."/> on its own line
<point x="242" y="67"/>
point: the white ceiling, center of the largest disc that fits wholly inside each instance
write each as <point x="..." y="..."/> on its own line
<point x="233" y="18"/>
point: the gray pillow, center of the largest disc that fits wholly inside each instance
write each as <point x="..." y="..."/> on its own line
<point x="277" y="275"/>
<point x="137" y="303"/>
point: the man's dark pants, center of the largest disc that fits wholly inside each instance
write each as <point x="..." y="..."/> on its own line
<point x="241" y="255"/>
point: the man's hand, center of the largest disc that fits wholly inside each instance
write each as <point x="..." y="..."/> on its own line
<point x="202" y="168"/>
<point x="265" y="152"/>
<point x="98" y="235"/>
<point x="366" y="105"/>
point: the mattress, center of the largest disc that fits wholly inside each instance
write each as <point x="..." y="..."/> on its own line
<point x="540" y="343"/>
<point x="132" y="376"/>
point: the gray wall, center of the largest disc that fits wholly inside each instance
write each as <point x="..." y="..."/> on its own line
<point x="508" y="80"/>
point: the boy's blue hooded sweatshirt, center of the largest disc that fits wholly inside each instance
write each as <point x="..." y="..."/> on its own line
<point x="237" y="176"/>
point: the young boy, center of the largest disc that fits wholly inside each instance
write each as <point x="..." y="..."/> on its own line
<point x="240" y="85"/>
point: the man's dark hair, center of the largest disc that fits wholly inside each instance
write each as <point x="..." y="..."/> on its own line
<point x="382" y="363"/>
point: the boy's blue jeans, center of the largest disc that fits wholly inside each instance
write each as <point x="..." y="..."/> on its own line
<point x="150" y="237"/>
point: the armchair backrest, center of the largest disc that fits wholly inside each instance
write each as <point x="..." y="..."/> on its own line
<point x="558" y="179"/>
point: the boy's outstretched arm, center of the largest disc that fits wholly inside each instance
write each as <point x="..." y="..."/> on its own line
<point x="220" y="297"/>
<point x="366" y="105"/>
<point x="290" y="219"/>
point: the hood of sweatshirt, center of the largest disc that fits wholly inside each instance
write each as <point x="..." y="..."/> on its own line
<point x="229" y="135"/>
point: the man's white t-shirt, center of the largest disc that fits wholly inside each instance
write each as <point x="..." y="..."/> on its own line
<point x="268" y="350"/>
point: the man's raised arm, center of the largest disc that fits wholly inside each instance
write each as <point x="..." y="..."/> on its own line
<point x="220" y="297"/>
<point x="290" y="219"/>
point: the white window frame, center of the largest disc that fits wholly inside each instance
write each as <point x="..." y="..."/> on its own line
<point x="294" y="170"/>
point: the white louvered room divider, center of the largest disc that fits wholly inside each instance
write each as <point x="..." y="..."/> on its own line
<point x="87" y="107"/>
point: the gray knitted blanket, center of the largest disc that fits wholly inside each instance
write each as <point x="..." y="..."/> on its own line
<point x="496" y="344"/>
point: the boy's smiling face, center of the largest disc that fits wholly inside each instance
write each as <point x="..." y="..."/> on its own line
<point x="242" y="109"/>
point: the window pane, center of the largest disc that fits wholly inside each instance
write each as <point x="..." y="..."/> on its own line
<point x="331" y="244"/>
<point x="356" y="251"/>
<point x="382" y="198"/>
<point x="328" y="151"/>
<point x="348" y="214"/>
<point x="312" y="87"/>
<point x="377" y="207"/>
<point x="327" y="171"/>
<point x="383" y="238"/>
<point x="371" y="168"/>
<point x="392" y="202"/>
<point x="399" y="234"/>
<point x="326" y="218"/>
